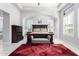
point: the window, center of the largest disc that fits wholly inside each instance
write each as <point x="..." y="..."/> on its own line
<point x="68" y="23"/>
<point x="1" y="24"/>
<point x="29" y="25"/>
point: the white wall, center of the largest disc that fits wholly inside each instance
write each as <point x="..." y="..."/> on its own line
<point x="78" y="22"/>
<point x="1" y="21"/>
<point x="14" y="14"/>
<point x="1" y="25"/>
<point x="13" y="11"/>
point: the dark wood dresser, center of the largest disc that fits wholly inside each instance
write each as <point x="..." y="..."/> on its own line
<point x="16" y="33"/>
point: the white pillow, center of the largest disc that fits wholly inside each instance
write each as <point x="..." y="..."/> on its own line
<point x="36" y="30"/>
<point x="43" y="29"/>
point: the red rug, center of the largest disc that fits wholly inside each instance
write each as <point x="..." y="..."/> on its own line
<point x="42" y="50"/>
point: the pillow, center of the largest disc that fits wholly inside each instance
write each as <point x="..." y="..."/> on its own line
<point x="36" y="30"/>
<point x="43" y="30"/>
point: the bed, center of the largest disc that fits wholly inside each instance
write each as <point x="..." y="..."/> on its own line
<point x="40" y="31"/>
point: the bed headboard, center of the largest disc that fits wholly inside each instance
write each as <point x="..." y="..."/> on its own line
<point x="39" y="28"/>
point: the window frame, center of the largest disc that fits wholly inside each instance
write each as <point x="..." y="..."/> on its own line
<point x="68" y="12"/>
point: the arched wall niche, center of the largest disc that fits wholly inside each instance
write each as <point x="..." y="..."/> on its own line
<point x="33" y="19"/>
<point x="36" y="16"/>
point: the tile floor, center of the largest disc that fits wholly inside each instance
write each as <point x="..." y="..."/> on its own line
<point x="13" y="46"/>
<point x="1" y="46"/>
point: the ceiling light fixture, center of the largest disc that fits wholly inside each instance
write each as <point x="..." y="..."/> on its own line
<point x="38" y="4"/>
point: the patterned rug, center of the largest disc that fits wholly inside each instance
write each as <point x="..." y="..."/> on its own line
<point x="42" y="50"/>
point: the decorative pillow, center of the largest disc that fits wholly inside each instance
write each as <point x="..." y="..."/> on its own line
<point x="43" y="30"/>
<point x="36" y="30"/>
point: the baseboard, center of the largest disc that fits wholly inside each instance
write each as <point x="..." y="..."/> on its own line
<point x="72" y="48"/>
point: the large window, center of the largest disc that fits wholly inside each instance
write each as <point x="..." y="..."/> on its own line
<point x="68" y="23"/>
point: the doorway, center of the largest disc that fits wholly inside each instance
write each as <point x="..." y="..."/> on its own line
<point x="1" y="29"/>
<point x="4" y="31"/>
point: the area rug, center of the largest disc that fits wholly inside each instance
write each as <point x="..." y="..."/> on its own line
<point x="42" y="50"/>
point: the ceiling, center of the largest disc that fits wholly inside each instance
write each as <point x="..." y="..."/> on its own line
<point x="30" y="6"/>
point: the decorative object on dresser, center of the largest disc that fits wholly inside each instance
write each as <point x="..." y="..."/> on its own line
<point x="16" y="33"/>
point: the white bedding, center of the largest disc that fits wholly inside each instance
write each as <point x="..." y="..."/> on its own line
<point x="40" y="32"/>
